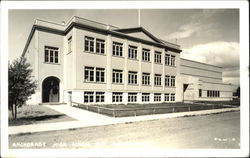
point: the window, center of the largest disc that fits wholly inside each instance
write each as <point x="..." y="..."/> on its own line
<point x="211" y="93"/>
<point x="172" y="97"/>
<point x="157" y="80"/>
<point x="117" y="49"/>
<point x="51" y="54"/>
<point x="172" y="81"/>
<point x="70" y="44"/>
<point x="172" y="60"/>
<point x="88" y="97"/>
<point x="100" y="46"/>
<point x="99" y="97"/>
<point x="157" y="57"/>
<point x="167" y="59"/>
<point x="145" y="97"/>
<point x="167" y="81"/>
<point x="117" y="76"/>
<point x="166" y="97"/>
<point x="132" y="52"/>
<point x="145" y="54"/>
<point x="132" y="97"/>
<point x="200" y="93"/>
<point x="89" y="74"/>
<point x="89" y="44"/>
<point x="116" y="97"/>
<point x="157" y="97"/>
<point x="132" y="77"/>
<point x="145" y="78"/>
<point x="100" y="74"/>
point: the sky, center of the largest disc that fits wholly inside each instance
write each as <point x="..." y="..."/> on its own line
<point x="206" y="35"/>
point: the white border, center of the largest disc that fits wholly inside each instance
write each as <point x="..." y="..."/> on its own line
<point x="244" y="76"/>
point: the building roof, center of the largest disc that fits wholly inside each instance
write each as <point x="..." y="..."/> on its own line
<point x="138" y="34"/>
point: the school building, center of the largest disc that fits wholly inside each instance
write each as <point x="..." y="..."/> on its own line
<point x="93" y="63"/>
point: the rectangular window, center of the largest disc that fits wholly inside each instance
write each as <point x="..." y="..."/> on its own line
<point x="132" y="77"/>
<point x="70" y="44"/>
<point x="88" y="97"/>
<point x="100" y="46"/>
<point x="172" y="60"/>
<point x="99" y="97"/>
<point x="100" y="73"/>
<point x="89" y="44"/>
<point x="145" y="78"/>
<point x="117" y="49"/>
<point x="167" y="81"/>
<point x="89" y="74"/>
<point x="132" y="97"/>
<point x="116" y="97"/>
<point x="167" y="59"/>
<point x="172" y="81"/>
<point x="145" y="97"/>
<point x="51" y="55"/>
<point x="117" y="76"/>
<point x="157" y="97"/>
<point x="167" y="97"/>
<point x="172" y="97"/>
<point x="145" y="54"/>
<point x="157" y="80"/>
<point x="200" y="93"/>
<point x="132" y="52"/>
<point x="158" y="57"/>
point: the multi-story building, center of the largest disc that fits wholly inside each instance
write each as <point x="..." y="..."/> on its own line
<point x="93" y="63"/>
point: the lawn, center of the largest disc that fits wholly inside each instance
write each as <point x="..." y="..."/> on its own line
<point x="33" y="114"/>
<point x="122" y="110"/>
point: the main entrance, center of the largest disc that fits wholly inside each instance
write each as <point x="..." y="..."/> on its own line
<point x="50" y="89"/>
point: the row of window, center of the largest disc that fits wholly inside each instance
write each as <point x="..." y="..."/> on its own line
<point x="95" y="45"/>
<point x="95" y="74"/>
<point x="210" y="93"/>
<point x="132" y="97"/>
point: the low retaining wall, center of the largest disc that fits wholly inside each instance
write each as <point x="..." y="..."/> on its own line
<point x="125" y="112"/>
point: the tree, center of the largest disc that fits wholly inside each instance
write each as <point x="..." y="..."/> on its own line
<point x="21" y="85"/>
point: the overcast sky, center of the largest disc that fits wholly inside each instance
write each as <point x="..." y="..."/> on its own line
<point x="205" y="35"/>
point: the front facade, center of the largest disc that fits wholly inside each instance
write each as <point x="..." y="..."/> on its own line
<point x="93" y="63"/>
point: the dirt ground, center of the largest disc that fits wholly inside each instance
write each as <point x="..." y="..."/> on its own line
<point x="34" y="114"/>
<point x="204" y="132"/>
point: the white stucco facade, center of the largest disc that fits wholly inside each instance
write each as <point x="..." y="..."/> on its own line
<point x="68" y="69"/>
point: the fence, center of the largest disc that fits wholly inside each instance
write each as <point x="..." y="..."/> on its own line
<point x="124" y="112"/>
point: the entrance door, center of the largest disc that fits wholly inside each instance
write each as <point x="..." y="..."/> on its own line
<point x="50" y="89"/>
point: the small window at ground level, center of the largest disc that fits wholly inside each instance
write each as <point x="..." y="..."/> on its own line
<point x="172" y="97"/>
<point x="145" y="97"/>
<point x="100" y="97"/>
<point x="88" y="97"/>
<point x="157" y="97"/>
<point x="132" y="97"/>
<point x="116" y="97"/>
<point x="167" y="97"/>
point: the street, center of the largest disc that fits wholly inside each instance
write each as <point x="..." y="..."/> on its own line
<point x="197" y="132"/>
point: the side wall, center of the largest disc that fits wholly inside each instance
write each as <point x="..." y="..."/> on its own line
<point x="204" y="77"/>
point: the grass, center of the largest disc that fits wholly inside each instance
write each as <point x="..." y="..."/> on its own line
<point x="122" y="110"/>
<point x="33" y="114"/>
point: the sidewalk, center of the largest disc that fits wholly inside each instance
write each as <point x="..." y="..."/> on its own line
<point x="87" y="119"/>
